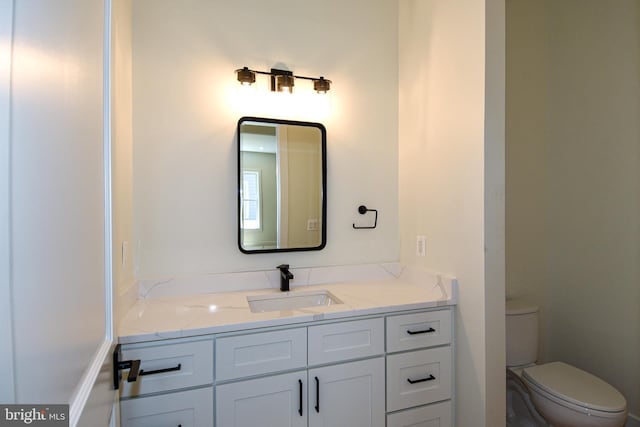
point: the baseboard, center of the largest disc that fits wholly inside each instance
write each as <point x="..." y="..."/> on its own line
<point x="83" y="390"/>
<point x="633" y="421"/>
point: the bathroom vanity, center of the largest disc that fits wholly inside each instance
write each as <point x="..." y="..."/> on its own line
<point x="382" y="355"/>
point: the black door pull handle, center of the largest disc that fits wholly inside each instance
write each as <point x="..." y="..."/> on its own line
<point x="161" y="371"/>
<point x="421" y="380"/>
<point x="132" y="365"/>
<point x="317" y="395"/>
<point x="134" y="369"/>
<point x="300" y="408"/>
<point x="425" y="331"/>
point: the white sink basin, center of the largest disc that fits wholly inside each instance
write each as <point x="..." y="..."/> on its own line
<point x="291" y="301"/>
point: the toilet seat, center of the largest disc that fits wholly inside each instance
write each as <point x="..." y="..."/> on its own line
<point x="575" y="389"/>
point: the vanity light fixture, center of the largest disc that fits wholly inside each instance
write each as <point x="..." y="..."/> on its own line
<point x="281" y="80"/>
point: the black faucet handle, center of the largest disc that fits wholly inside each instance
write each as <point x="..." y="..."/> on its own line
<point x="283" y="266"/>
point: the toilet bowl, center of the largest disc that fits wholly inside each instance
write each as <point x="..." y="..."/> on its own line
<point x="561" y="394"/>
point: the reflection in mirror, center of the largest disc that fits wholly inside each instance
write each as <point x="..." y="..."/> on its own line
<point x="281" y="185"/>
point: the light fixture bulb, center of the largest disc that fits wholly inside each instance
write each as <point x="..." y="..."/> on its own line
<point x="285" y="83"/>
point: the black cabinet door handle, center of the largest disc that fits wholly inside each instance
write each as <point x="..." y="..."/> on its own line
<point x="161" y="371"/>
<point x="132" y="365"/>
<point x="300" y="408"/>
<point x="421" y="380"/>
<point x="317" y="395"/>
<point x="425" y="331"/>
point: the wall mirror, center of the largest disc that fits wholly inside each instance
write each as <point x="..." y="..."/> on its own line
<point x="282" y="176"/>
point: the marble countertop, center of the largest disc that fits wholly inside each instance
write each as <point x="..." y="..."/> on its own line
<point x="209" y="313"/>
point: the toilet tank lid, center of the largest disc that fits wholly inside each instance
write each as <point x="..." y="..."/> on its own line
<point x="576" y="386"/>
<point x="515" y="307"/>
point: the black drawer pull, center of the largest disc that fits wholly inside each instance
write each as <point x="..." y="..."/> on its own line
<point x="426" y="331"/>
<point x="421" y="380"/>
<point x="161" y="371"/>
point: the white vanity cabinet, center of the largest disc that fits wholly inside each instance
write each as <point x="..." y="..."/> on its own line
<point x="382" y="370"/>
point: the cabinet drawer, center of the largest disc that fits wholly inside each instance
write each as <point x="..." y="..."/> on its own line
<point x="418" y="378"/>
<point x="254" y="354"/>
<point x="192" y="408"/>
<point x="168" y="367"/>
<point x="412" y="331"/>
<point x="346" y="340"/>
<point x="438" y="414"/>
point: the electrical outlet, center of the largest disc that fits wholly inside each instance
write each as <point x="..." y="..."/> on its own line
<point x="421" y="245"/>
<point x="312" y="225"/>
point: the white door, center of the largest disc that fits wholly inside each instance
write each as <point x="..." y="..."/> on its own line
<point x="277" y="401"/>
<point x="55" y="265"/>
<point x="349" y="394"/>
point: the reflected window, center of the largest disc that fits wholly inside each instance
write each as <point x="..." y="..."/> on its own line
<point x="250" y="200"/>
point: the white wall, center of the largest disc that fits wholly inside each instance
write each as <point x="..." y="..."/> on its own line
<point x="528" y="205"/>
<point x="186" y="104"/>
<point x="122" y="152"/>
<point x="494" y="211"/>
<point x="56" y="196"/>
<point x="585" y="156"/>
<point x="595" y="165"/>
<point x="443" y="108"/>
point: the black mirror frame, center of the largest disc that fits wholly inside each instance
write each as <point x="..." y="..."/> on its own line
<point x="323" y="132"/>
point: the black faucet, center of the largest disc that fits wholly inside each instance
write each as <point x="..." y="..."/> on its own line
<point x="285" y="276"/>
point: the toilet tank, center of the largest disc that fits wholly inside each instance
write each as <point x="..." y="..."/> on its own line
<point x="522" y="333"/>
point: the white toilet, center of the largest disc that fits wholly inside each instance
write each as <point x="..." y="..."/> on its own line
<point x="559" y="393"/>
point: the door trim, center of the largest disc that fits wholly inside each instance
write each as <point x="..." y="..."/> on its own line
<point x="88" y="381"/>
<point x="7" y="385"/>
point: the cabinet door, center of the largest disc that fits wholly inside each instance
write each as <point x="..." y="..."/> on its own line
<point x="276" y="401"/>
<point x="349" y="394"/>
<point x="191" y="408"/>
